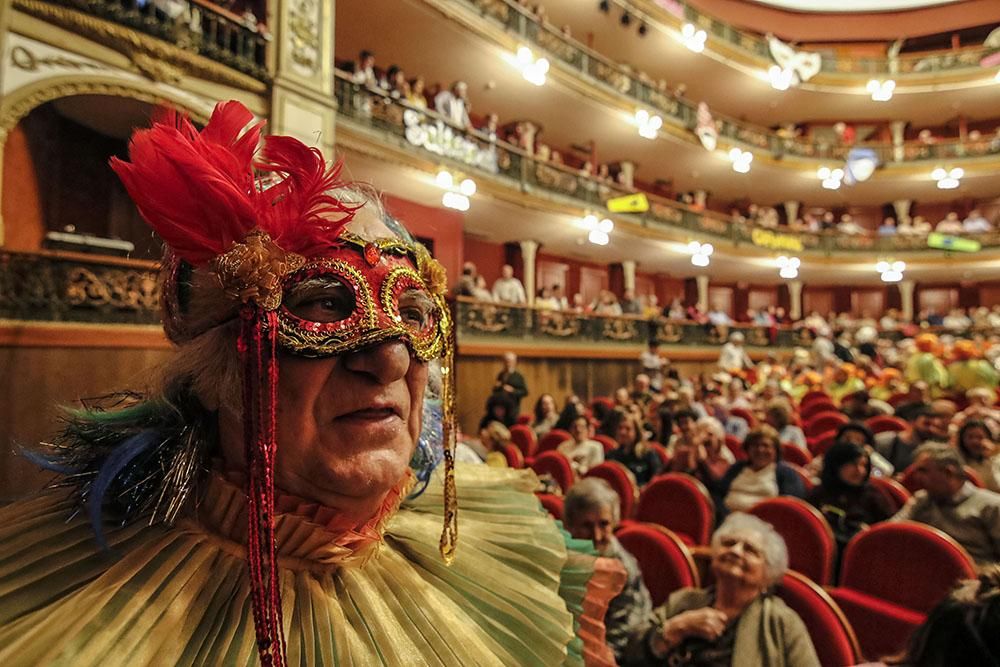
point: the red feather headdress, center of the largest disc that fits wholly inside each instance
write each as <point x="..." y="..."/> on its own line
<point x="200" y="192"/>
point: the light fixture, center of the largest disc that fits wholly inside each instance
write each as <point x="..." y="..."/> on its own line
<point x="741" y="160"/>
<point x="948" y="179"/>
<point x="830" y="178"/>
<point x="604" y="6"/>
<point x="642" y="29"/>
<point x="648" y="123"/>
<point x="780" y="78"/>
<point x="891" y="272"/>
<point x="599" y="230"/>
<point x="458" y="193"/>
<point x="626" y="18"/>
<point x="700" y="252"/>
<point x="455" y="200"/>
<point x="532" y="69"/>
<point x="444" y="179"/>
<point x="881" y="91"/>
<point x="788" y="267"/>
<point x="693" y="38"/>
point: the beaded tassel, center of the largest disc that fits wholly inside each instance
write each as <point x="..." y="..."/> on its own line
<point x="449" y="534"/>
<point x="258" y="351"/>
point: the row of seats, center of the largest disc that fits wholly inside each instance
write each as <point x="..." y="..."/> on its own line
<point x="869" y="590"/>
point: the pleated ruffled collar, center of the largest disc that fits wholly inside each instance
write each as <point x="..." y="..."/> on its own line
<point x="309" y="536"/>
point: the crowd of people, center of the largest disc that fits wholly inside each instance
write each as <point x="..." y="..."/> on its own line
<point x="731" y="429"/>
<point x="826" y="222"/>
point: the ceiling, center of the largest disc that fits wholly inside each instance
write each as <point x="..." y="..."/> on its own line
<point x="853" y="6"/>
<point x="442" y="50"/>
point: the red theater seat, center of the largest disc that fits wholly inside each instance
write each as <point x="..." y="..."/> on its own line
<point x="892" y="575"/>
<point x="553" y="439"/>
<point x="736" y="447"/>
<point x="807" y="481"/>
<point x="606" y="442"/>
<point x="515" y="459"/>
<point x="794" y="454"/>
<point x="553" y="504"/>
<point x="678" y="502"/>
<point x="665" y="561"/>
<point x="813" y="396"/>
<point x="909" y="479"/>
<point x="745" y="415"/>
<point x="524" y="437"/>
<point x="524" y="419"/>
<point x="821" y="443"/>
<point x="894" y="492"/>
<point x="884" y="423"/>
<point x="811" y="545"/>
<point x="661" y="452"/>
<point x="823" y="422"/>
<point x="809" y="411"/>
<point x="831" y="633"/>
<point x="622" y="481"/>
<point x="557" y="466"/>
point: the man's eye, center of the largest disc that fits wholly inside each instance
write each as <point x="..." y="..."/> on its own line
<point x="414" y="316"/>
<point x="326" y="303"/>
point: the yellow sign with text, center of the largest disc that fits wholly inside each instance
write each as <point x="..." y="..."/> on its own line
<point x="637" y="203"/>
<point x="774" y="241"/>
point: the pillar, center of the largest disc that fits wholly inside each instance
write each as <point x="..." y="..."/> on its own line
<point x="628" y="274"/>
<point x="902" y="209"/>
<point x="906" y="298"/>
<point x="627" y="174"/>
<point x="794" y="299"/>
<point x="528" y="250"/>
<point x="791" y="211"/>
<point x="302" y="100"/>
<point x="897" y="127"/>
<point x="700" y="199"/>
<point x="702" y="282"/>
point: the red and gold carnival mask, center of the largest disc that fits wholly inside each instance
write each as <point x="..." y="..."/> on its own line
<point x="364" y="293"/>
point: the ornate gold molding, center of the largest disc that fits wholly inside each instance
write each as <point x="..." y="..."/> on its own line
<point x="22" y="101"/>
<point x="140" y="48"/>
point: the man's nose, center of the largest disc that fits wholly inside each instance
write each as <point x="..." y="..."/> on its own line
<point x="384" y="362"/>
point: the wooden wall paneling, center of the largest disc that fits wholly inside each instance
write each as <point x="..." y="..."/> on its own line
<point x="817" y="300"/>
<point x="38" y="380"/>
<point x="720" y="298"/>
<point x="592" y="281"/>
<point x="869" y="302"/>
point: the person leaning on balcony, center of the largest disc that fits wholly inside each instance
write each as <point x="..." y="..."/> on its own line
<point x="415" y="96"/>
<point x="480" y="291"/>
<point x="950" y="225"/>
<point x="630" y="305"/>
<point x="454" y="104"/>
<point x="733" y="356"/>
<point x="507" y="288"/>
<point x="364" y="70"/>
<point x="976" y="223"/>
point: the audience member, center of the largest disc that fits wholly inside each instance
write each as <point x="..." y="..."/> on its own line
<point x="511" y="382"/>
<point x="975" y="223"/>
<point x="583" y="452"/>
<point x="454" y="105"/>
<point x="977" y="447"/>
<point x="733" y="356"/>
<point x="763" y="475"/>
<point x="592" y="511"/>
<point x="633" y="452"/>
<point x="949" y="502"/>
<point x="737" y="621"/>
<point x="546" y="415"/>
<point x="507" y="288"/>
<point x="899" y="449"/>
<point x="844" y="495"/>
<point x="779" y="416"/>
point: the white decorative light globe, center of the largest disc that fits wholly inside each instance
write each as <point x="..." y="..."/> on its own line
<point x="794" y="263"/>
<point x="873" y="86"/>
<point x="707" y="249"/>
<point x="882" y="267"/>
<point x="444" y="179"/>
<point x="525" y="56"/>
<point x="641" y="116"/>
<point x="699" y="260"/>
<point x="823" y="173"/>
<point x="938" y="174"/>
<point x="542" y="65"/>
<point x="957" y="173"/>
<point x="687" y="30"/>
<point x="606" y="226"/>
<point x="694" y="247"/>
<point x="899" y="266"/>
<point x="468" y="187"/>
<point x="837" y="174"/>
<point x="597" y="237"/>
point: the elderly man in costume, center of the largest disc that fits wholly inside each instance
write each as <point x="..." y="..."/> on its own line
<point x="277" y="495"/>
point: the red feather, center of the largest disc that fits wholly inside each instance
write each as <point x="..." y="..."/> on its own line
<point x="305" y="219"/>
<point x="197" y="190"/>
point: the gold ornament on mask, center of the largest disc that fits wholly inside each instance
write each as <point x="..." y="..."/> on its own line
<point x="253" y="269"/>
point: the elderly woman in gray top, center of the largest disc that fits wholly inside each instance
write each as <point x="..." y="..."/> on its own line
<point x="735" y="622"/>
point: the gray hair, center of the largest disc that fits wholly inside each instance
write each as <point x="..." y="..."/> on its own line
<point x="772" y="544"/>
<point x="590" y="495"/>
<point x="942" y="455"/>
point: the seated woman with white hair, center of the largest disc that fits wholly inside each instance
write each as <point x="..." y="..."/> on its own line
<point x="737" y="616"/>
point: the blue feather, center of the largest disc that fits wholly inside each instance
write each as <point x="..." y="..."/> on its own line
<point x="116" y="462"/>
<point x="45" y="462"/>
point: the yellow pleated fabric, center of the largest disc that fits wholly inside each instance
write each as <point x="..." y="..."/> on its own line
<point x="179" y="595"/>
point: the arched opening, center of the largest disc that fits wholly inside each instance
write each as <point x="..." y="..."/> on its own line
<point x="56" y="176"/>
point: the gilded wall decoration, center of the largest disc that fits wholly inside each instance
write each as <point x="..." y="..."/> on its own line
<point x="304" y="18"/>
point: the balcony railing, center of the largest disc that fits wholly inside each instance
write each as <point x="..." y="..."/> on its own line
<point x="486" y="322"/>
<point x="683" y="112"/>
<point x="425" y="131"/>
<point x="200" y="27"/>
<point x="68" y="287"/>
